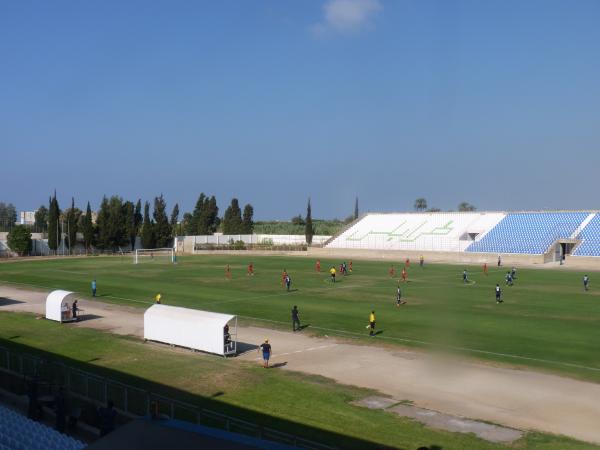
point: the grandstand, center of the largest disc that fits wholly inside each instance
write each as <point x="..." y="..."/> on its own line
<point x="529" y="233"/>
<point x="551" y="233"/>
<point x="17" y="432"/>
<point x="449" y="232"/>
<point x="590" y="238"/>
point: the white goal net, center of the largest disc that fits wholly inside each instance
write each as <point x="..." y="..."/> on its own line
<point x="154" y="255"/>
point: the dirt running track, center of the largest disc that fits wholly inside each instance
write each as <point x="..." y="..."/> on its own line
<point x="515" y="398"/>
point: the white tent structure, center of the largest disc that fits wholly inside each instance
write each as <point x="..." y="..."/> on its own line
<point x="191" y="328"/>
<point x="57" y="307"/>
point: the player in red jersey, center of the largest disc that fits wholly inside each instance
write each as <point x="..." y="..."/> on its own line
<point x="250" y="269"/>
<point x="404" y="274"/>
<point x="407" y="263"/>
<point x="284" y="276"/>
<point x="485" y="268"/>
<point x="318" y="265"/>
<point x="392" y="271"/>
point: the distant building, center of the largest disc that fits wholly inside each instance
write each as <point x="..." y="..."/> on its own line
<point x="27" y="217"/>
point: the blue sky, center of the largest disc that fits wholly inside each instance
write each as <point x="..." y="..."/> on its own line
<point x="496" y="103"/>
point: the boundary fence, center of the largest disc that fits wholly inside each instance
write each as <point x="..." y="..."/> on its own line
<point x="132" y="402"/>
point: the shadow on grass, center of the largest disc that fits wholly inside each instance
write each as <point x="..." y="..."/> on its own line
<point x="278" y="365"/>
<point x="86" y="317"/>
<point x="19" y="384"/>
<point x="4" y="301"/>
<point x="244" y="347"/>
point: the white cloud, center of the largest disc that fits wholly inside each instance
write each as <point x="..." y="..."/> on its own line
<point x="346" y="16"/>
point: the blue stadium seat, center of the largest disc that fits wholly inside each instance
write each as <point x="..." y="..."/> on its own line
<point x="590" y="239"/>
<point x="529" y="233"/>
<point x="17" y="432"/>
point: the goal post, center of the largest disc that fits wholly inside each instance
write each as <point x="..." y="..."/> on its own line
<point x="154" y="255"/>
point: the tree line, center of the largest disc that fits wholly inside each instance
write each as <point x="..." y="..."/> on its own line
<point x="118" y="222"/>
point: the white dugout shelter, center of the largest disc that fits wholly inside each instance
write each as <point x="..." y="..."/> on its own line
<point x="191" y="328"/>
<point x="57" y="307"/>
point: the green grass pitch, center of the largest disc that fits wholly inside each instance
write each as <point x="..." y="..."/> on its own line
<point x="546" y="321"/>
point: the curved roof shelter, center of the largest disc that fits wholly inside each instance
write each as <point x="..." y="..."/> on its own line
<point x="55" y="303"/>
<point x="191" y="328"/>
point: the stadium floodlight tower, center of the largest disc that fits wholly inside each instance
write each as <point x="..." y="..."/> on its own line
<point x="154" y="255"/>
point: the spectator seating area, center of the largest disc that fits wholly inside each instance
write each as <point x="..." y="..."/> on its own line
<point x="435" y="231"/>
<point x="17" y="432"/>
<point x="590" y="239"/>
<point x="529" y="233"/>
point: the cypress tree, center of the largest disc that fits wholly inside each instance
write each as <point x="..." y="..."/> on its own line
<point x="232" y="220"/>
<point x="130" y="225"/>
<point x="72" y="218"/>
<point x="138" y="218"/>
<point x="147" y="229"/>
<point x="162" y="229"/>
<point x="53" y="229"/>
<point x="174" y="219"/>
<point x="247" y="222"/>
<point x="356" y="208"/>
<point x="196" y="225"/>
<point x="309" y="230"/>
<point x="213" y="215"/>
<point x="88" y="228"/>
<point x="102" y="223"/>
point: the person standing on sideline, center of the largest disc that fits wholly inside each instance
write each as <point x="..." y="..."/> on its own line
<point x="94" y="287"/>
<point x="266" y="352"/>
<point x="371" y="325"/>
<point x="498" y="294"/>
<point x="295" y="319"/>
<point x="499" y="260"/>
<point x="586" y="282"/>
<point x="421" y="261"/>
<point x="74" y="310"/>
<point x="318" y="265"/>
<point x="332" y="273"/>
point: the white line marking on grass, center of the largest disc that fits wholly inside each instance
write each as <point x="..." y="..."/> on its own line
<point x="146" y="302"/>
<point x="465" y="349"/>
<point x="100" y="297"/>
<point x="299" y="351"/>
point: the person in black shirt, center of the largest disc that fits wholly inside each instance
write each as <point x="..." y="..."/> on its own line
<point x="266" y="351"/>
<point x="498" y="294"/>
<point x="295" y="319"/>
<point x="74" y="310"/>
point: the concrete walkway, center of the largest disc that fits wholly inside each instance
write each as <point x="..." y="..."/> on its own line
<point x="515" y="398"/>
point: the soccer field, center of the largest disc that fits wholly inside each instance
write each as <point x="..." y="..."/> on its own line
<point x="546" y="320"/>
